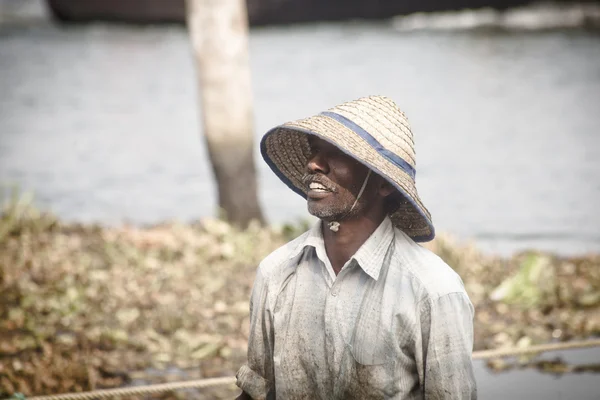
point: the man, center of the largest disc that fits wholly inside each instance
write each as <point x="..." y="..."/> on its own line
<point x="354" y="308"/>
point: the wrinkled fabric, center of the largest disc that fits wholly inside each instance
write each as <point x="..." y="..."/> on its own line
<point x="396" y="323"/>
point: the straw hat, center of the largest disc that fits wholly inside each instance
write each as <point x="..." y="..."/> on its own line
<point x="371" y="130"/>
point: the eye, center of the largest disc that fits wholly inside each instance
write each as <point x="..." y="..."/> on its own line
<point x="314" y="148"/>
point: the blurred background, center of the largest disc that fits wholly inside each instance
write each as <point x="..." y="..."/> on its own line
<point x="102" y="121"/>
<point x="100" y="116"/>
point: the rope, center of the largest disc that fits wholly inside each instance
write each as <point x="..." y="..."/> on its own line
<point x="542" y="348"/>
<point x="203" y="383"/>
<point x="129" y="391"/>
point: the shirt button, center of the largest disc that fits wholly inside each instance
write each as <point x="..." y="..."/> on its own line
<point x="334" y="292"/>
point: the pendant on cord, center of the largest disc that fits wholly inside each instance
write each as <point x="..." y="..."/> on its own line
<point x="334" y="226"/>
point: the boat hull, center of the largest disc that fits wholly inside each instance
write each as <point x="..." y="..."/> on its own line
<point x="262" y="12"/>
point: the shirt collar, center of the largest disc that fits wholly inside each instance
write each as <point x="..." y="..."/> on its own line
<point x="370" y="255"/>
<point x="314" y="238"/>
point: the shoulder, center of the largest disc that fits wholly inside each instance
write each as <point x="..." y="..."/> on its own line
<point x="277" y="268"/>
<point x="281" y="257"/>
<point x="431" y="277"/>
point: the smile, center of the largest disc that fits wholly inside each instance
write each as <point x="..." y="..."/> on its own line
<point x="317" y="187"/>
<point x="317" y="191"/>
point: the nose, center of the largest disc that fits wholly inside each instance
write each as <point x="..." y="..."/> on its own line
<point x="317" y="164"/>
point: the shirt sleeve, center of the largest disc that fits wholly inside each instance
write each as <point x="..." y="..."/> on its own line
<point x="447" y="344"/>
<point x="256" y="378"/>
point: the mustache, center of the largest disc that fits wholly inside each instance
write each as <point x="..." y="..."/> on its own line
<point x="307" y="179"/>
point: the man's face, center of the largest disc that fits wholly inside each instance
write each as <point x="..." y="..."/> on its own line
<point x="334" y="180"/>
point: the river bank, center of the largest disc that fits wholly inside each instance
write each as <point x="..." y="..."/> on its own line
<point x="86" y="306"/>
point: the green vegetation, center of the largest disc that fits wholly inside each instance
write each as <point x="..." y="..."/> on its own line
<point x="85" y="306"/>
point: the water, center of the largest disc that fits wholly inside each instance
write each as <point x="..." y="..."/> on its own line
<point x="529" y="384"/>
<point x="101" y="123"/>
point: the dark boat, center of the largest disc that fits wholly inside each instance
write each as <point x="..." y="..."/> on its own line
<point x="262" y="12"/>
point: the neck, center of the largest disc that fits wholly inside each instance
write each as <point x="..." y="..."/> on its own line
<point x="343" y="244"/>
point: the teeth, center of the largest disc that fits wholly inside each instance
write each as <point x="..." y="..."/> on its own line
<point x="317" y="186"/>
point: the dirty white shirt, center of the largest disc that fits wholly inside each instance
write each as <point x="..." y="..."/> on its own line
<point x="396" y="323"/>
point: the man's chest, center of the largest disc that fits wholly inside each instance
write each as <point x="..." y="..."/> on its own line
<point x="319" y="319"/>
<point x="337" y="335"/>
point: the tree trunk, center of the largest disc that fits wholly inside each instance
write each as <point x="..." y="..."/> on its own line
<point x="219" y="35"/>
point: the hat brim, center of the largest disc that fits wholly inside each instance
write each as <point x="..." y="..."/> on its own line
<point x="286" y="150"/>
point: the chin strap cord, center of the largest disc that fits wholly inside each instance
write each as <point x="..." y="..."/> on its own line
<point x="334" y="225"/>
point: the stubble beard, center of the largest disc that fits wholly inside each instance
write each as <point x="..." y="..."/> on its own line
<point x="335" y="212"/>
<point x="327" y="213"/>
<point x="337" y="208"/>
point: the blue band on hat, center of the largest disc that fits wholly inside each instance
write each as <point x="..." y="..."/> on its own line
<point x="374" y="143"/>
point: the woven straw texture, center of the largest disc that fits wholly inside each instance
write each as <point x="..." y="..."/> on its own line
<point x="285" y="148"/>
